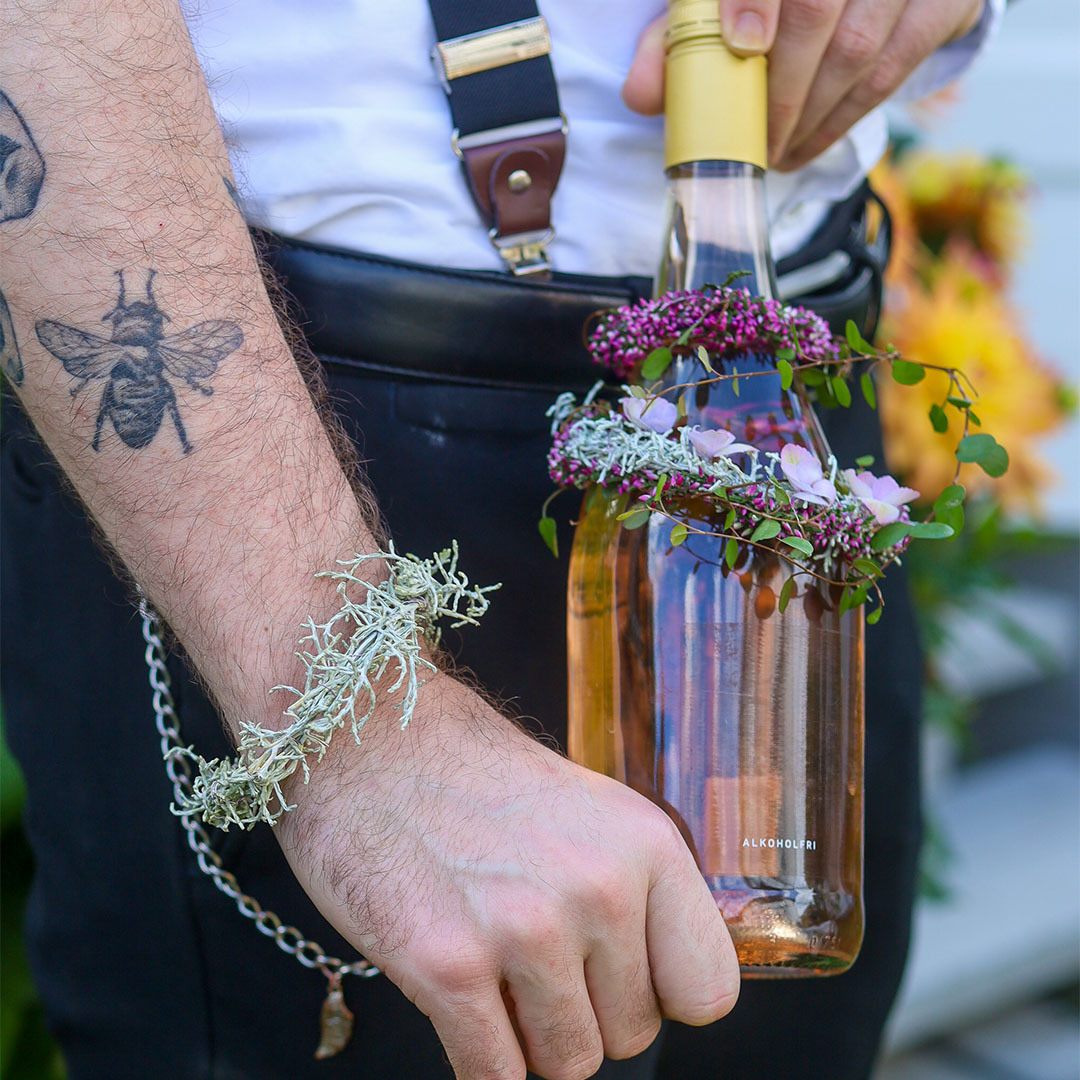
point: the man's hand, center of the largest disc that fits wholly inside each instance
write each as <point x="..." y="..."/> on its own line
<point x="538" y="913"/>
<point x="830" y="61"/>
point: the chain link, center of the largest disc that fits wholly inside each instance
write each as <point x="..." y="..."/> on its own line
<point x="287" y="938"/>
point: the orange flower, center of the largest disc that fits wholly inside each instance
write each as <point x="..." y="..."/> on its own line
<point x="959" y="320"/>
<point x="966" y="197"/>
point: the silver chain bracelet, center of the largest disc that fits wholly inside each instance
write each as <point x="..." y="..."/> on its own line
<point x="336" y="1019"/>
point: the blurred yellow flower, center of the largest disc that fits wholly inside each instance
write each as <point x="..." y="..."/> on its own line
<point x="966" y="198"/>
<point x="959" y="320"/>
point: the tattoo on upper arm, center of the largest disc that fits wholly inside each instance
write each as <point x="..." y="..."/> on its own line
<point x="22" y="168"/>
<point x="136" y="361"/>
<point x="10" y="361"/>
<point x="22" y="172"/>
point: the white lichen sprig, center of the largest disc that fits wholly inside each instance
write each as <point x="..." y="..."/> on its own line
<point x="391" y="626"/>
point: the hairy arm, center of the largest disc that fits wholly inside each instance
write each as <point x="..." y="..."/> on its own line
<point x="538" y="913"/>
<point x="175" y="407"/>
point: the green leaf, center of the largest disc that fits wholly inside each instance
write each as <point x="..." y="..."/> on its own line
<point x="874" y="617"/>
<point x="637" y="391"/>
<point x="952" y="496"/>
<point x="867" y="567"/>
<point x="548" y="531"/>
<point x="786" y="593"/>
<point x="906" y="373"/>
<point x="865" y="461"/>
<point x="634" y="519"/>
<point x="678" y="534"/>
<point x="853" y="598"/>
<point x="857" y="342"/>
<point x="800" y="544"/>
<point x="680" y="406"/>
<point x="765" y="530"/>
<point x="684" y="337"/>
<point x="931" y="530"/>
<point x="735" y="385"/>
<point x="660" y="482"/>
<point x="938" y="420"/>
<point x="812" y="377"/>
<point x="840" y="390"/>
<point x="959" y="402"/>
<point x="974" y="447"/>
<point x="953" y="516"/>
<point x="889" y="535"/>
<point x="974" y="419"/>
<point x="781" y="496"/>
<point x="785" y="354"/>
<point x="729" y="520"/>
<point x="868" y="392"/>
<point x="787" y="373"/>
<point x="731" y="552"/>
<point x="703" y="356"/>
<point x="984" y="450"/>
<point x="996" y="462"/>
<point x="656" y="363"/>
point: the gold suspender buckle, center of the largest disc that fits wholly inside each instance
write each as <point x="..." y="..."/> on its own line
<point x="487" y="49"/>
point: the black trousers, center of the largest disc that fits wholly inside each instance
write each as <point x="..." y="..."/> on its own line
<point x="442" y="379"/>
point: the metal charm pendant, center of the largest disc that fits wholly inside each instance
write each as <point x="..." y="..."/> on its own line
<point x="335" y="1019"/>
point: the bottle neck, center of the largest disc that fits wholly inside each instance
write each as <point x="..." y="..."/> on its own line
<point x="716" y="224"/>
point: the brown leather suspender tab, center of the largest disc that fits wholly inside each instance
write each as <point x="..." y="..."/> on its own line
<point x="509" y="133"/>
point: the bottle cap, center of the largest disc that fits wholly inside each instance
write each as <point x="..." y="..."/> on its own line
<point x="716" y="102"/>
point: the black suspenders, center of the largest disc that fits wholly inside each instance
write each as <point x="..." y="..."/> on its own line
<point x="493" y="58"/>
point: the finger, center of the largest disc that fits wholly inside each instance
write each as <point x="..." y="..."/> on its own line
<point x="922" y="28"/>
<point x="555" y="1020"/>
<point x="694" y="968"/>
<point x="621" y="990"/>
<point x="643" y="90"/>
<point x="805" y="30"/>
<point x="749" y="25"/>
<point x="857" y="42"/>
<point x="478" y="1036"/>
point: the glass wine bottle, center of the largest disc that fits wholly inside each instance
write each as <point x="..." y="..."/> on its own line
<point x="686" y="681"/>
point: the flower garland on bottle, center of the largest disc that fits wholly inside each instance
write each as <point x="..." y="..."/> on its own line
<point x="843" y="527"/>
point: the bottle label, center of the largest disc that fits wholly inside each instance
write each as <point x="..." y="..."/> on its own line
<point x="744" y="836"/>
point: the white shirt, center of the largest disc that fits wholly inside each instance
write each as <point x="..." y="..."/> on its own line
<point x="339" y="132"/>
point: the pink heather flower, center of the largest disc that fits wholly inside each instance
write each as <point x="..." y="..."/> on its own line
<point x="881" y="495"/>
<point x="714" y="442"/>
<point x="803" y="471"/>
<point x="650" y="413"/>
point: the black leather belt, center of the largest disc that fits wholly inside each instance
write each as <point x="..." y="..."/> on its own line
<point x="489" y="328"/>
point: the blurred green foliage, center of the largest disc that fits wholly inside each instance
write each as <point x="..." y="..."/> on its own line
<point x="27" y="1051"/>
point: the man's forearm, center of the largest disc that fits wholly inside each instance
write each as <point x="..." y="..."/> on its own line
<point x="148" y="353"/>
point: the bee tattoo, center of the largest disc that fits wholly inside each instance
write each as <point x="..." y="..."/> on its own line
<point x="136" y="360"/>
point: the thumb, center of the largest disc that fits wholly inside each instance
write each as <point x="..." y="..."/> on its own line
<point x="643" y="90"/>
<point x="749" y="25"/>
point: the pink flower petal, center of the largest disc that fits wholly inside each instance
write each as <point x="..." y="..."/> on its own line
<point x="650" y="413"/>
<point x="710" y="443"/>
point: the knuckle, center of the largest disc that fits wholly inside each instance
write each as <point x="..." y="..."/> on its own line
<point x="855" y="44"/>
<point x="808" y="14"/>
<point x="879" y="83"/>
<point x="783" y="113"/>
<point x="537" y="927"/>
<point x="610" y="899"/>
<point x="712" y="1006"/>
<point x="456" y="974"/>
<point x="636" y="1040"/>
<point x="579" y="1065"/>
